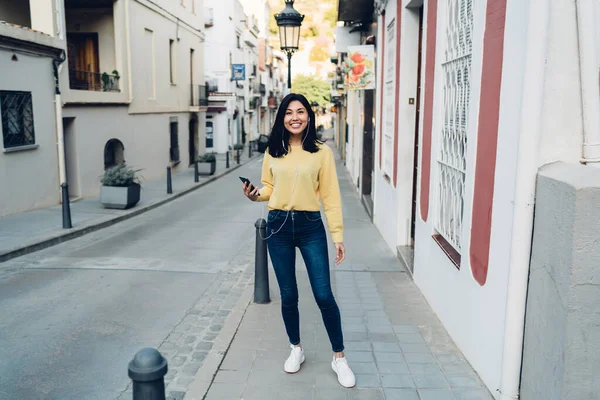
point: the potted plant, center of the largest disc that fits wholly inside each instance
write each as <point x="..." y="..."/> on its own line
<point x="120" y="187"/>
<point x="207" y="164"/>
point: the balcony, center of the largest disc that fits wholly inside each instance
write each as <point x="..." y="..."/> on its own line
<point x="252" y="104"/>
<point x="92" y="53"/>
<point x="38" y="16"/>
<point x="93" y="81"/>
<point x="198" y="96"/>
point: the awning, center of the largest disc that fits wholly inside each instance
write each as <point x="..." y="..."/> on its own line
<point x="355" y="10"/>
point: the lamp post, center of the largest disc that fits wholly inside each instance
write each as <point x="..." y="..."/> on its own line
<point x="289" y="21"/>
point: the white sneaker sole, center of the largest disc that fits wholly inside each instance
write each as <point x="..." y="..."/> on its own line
<point x="336" y="373"/>
<point x="293" y="372"/>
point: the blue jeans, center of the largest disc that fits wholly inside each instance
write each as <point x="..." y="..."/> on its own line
<point x="305" y="230"/>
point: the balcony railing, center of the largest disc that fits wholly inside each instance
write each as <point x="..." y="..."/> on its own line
<point x="198" y="95"/>
<point x="252" y="104"/>
<point x="93" y="81"/>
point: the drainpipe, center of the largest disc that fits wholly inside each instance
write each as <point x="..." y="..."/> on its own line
<point x="522" y="226"/>
<point x="588" y="74"/>
<point x="66" y="209"/>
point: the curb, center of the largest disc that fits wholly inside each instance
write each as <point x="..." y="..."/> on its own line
<point x="207" y="373"/>
<point x="78" y="232"/>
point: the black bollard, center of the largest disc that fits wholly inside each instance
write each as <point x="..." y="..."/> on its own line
<point x="227" y="159"/>
<point x="249" y="150"/>
<point x="66" y="207"/>
<point x="238" y="156"/>
<point x="196" y="178"/>
<point x="169" y="183"/>
<point x="261" y="271"/>
<point x="147" y="371"/>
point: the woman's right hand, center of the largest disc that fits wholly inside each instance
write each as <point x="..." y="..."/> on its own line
<point x="249" y="192"/>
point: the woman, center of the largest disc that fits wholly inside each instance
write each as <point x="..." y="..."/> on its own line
<point x="298" y="169"/>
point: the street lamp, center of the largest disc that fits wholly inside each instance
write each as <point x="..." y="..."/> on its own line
<point x="289" y="21"/>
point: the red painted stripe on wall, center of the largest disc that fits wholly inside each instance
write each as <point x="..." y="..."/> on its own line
<point x="428" y="108"/>
<point x="397" y="101"/>
<point x="487" y="138"/>
<point x="382" y="41"/>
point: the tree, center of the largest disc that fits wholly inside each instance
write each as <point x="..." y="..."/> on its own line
<point x="318" y="53"/>
<point x="331" y="17"/>
<point x="313" y="87"/>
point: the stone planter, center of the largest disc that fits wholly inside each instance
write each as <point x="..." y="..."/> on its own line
<point x="120" y="197"/>
<point x="207" y="168"/>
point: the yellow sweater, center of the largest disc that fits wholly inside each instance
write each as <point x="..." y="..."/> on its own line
<point x="297" y="180"/>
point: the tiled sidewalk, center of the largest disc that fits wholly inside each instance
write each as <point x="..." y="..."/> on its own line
<point x="395" y="344"/>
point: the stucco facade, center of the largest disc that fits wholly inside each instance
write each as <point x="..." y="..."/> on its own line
<point x="156" y="49"/>
<point x="29" y="170"/>
<point x="461" y="128"/>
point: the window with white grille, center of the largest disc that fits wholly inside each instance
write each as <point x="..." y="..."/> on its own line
<point x="452" y="140"/>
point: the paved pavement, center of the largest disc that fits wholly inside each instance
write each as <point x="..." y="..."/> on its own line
<point x="395" y="344"/>
<point x="73" y="315"/>
<point x="34" y="230"/>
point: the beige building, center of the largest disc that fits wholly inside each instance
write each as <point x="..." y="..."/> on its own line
<point x="132" y="86"/>
<point x="29" y="49"/>
<point x="133" y="89"/>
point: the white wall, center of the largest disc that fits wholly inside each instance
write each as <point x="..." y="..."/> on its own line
<point x="151" y="29"/>
<point x="146" y="138"/>
<point x="562" y="132"/>
<point x="31" y="176"/>
<point x="385" y="201"/>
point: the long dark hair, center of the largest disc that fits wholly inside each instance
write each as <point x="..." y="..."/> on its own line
<point x="279" y="138"/>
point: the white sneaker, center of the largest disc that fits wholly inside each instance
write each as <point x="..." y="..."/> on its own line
<point x="296" y="358"/>
<point x="345" y="375"/>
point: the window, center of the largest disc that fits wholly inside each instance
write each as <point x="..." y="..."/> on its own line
<point x="451" y="158"/>
<point x="174" y="139"/>
<point x="239" y="45"/>
<point x="172" y="60"/>
<point x="17" y="119"/>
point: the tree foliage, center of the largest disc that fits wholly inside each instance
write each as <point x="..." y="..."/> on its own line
<point x="318" y="53"/>
<point x="314" y="88"/>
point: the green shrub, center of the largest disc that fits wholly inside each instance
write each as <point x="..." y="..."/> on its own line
<point x="120" y="176"/>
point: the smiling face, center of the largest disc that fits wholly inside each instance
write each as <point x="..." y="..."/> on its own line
<point x="296" y="119"/>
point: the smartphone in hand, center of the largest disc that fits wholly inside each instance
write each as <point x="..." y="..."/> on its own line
<point x="247" y="181"/>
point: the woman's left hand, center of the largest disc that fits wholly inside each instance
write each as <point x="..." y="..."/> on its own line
<point x="340" y="252"/>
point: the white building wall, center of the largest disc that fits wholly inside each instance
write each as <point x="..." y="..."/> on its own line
<point x="143" y="126"/>
<point x="562" y="131"/>
<point x="30" y="178"/>
<point x="385" y="203"/>
<point x="474" y="315"/>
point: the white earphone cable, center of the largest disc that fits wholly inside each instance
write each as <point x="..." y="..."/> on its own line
<point x="273" y="232"/>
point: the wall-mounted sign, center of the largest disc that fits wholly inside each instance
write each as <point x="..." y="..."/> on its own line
<point x="239" y="72"/>
<point x="359" y="68"/>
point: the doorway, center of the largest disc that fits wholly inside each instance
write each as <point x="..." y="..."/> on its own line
<point x="416" y="147"/>
<point x="368" y="151"/>
<point x="193" y="133"/>
<point x="209" y="135"/>
<point x="71" y="162"/>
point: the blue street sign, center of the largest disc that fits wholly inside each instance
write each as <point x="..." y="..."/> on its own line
<point x="239" y="72"/>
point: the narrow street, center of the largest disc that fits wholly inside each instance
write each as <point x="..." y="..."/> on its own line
<point x="73" y="316"/>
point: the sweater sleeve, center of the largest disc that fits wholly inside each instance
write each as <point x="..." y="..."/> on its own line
<point x="329" y="189"/>
<point x="266" y="179"/>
